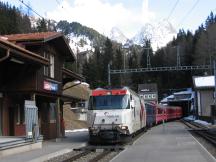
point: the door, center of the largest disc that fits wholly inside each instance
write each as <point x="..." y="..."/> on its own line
<point x="1" y="120"/>
<point x="31" y="119"/>
<point x="44" y="119"/>
<point x="11" y="120"/>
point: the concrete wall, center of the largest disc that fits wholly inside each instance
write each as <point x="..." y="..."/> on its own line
<point x="205" y="99"/>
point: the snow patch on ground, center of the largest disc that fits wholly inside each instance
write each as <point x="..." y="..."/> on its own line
<point x="192" y="118"/>
<point x="76" y="130"/>
<point x="202" y="122"/>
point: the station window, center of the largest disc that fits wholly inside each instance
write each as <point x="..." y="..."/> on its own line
<point x="49" y="70"/>
<point x="52" y="112"/>
<point x="20" y="116"/>
<point x="17" y="114"/>
<point x="52" y="66"/>
<point x="46" y="68"/>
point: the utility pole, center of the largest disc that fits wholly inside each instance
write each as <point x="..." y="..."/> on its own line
<point x="108" y="71"/>
<point x="178" y="56"/>
<point x="148" y="57"/>
<point x="124" y="58"/>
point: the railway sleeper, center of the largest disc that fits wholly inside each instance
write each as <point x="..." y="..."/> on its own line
<point x="96" y="148"/>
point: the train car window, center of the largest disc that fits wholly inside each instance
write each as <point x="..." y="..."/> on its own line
<point x="160" y="111"/>
<point x="90" y="105"/>
<point x="109" y="102"/>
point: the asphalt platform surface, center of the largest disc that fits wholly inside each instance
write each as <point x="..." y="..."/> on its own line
<point x="51" y="148"/>
<point x="170" y="142"/>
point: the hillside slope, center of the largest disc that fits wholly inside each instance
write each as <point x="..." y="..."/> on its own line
<point x="71" y="121"/>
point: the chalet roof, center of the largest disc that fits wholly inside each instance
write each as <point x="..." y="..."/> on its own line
<point x="57" y="38"/>
<point x="21" y="52"/>
<point x="79" y="91"/>
<point x="45" y="36"/>
<point x="181" y="96"/>
<point x="204" y="82"/>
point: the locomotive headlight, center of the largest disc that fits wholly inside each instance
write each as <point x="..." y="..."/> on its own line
<point x="124" y="127"/>
<point x="92" y="128"/>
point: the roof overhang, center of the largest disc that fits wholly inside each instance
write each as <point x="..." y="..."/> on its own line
<point x="57" y="38"/>
<point x="69" y="76"/>
<point x="204" y="82"/>
<point x="21" y="53"/>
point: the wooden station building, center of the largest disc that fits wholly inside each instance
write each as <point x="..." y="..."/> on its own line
<point x="32" y="68"/>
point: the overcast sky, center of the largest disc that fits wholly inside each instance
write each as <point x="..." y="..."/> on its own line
<point x="127" y="15"/>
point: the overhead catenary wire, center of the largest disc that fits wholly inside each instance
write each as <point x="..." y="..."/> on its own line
<point x="171" y="12"/>
<point x="31" y="9"/>
<point x="188" y="13"/>
<point x="57" y="1"/>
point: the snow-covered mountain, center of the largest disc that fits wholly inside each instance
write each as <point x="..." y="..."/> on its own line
<point x="117" y="35"/>
<point x="159" y="34"/>
<point x="145" y="33"/>
<point x="83" y="38"/>
<point x="80" y="43"/>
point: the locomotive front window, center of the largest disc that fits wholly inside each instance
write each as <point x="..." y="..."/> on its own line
<point x="109" y="102"/>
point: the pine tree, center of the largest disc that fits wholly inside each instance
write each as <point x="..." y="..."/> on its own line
<point x="134" y="63"/>
<point x="147" y="50"/>
<point x="42" y="25"/>
<point x="118" y="64"/>
<point x="107" y="59"/>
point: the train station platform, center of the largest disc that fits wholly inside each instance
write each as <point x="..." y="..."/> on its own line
<point x="50" y="148"/>
<point x="163" y="143"/>
<point x="10" y="145"/>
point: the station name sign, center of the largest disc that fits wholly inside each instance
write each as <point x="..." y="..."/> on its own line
<point x="49" y="86"/>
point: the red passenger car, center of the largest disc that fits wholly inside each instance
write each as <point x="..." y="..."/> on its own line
<point x="167" y="113"/>
<point x="173" y="112"/>
<point x="160" y="113"/>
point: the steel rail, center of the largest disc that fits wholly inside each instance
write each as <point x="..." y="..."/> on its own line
<point x="77" y="156"/>
<point x="100" y="156"/>
<point x="203" y="132"/>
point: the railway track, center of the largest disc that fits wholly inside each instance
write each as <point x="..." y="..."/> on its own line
<point x="94" y="153"/>
<point x="204" y="132"/>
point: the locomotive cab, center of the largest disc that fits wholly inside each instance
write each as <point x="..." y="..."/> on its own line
<point x="112" y="115"/>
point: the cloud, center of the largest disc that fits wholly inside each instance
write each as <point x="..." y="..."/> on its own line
<point x="102" y="15"/>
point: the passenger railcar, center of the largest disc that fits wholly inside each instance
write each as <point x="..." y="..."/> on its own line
<point x="150" y="114"/>
<point x="160" y="114"/>
<point x="157" y="113"/>
<point x="173" y="112"/>
<point x="114" y="115"/>
<point x="167" y="113"/>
